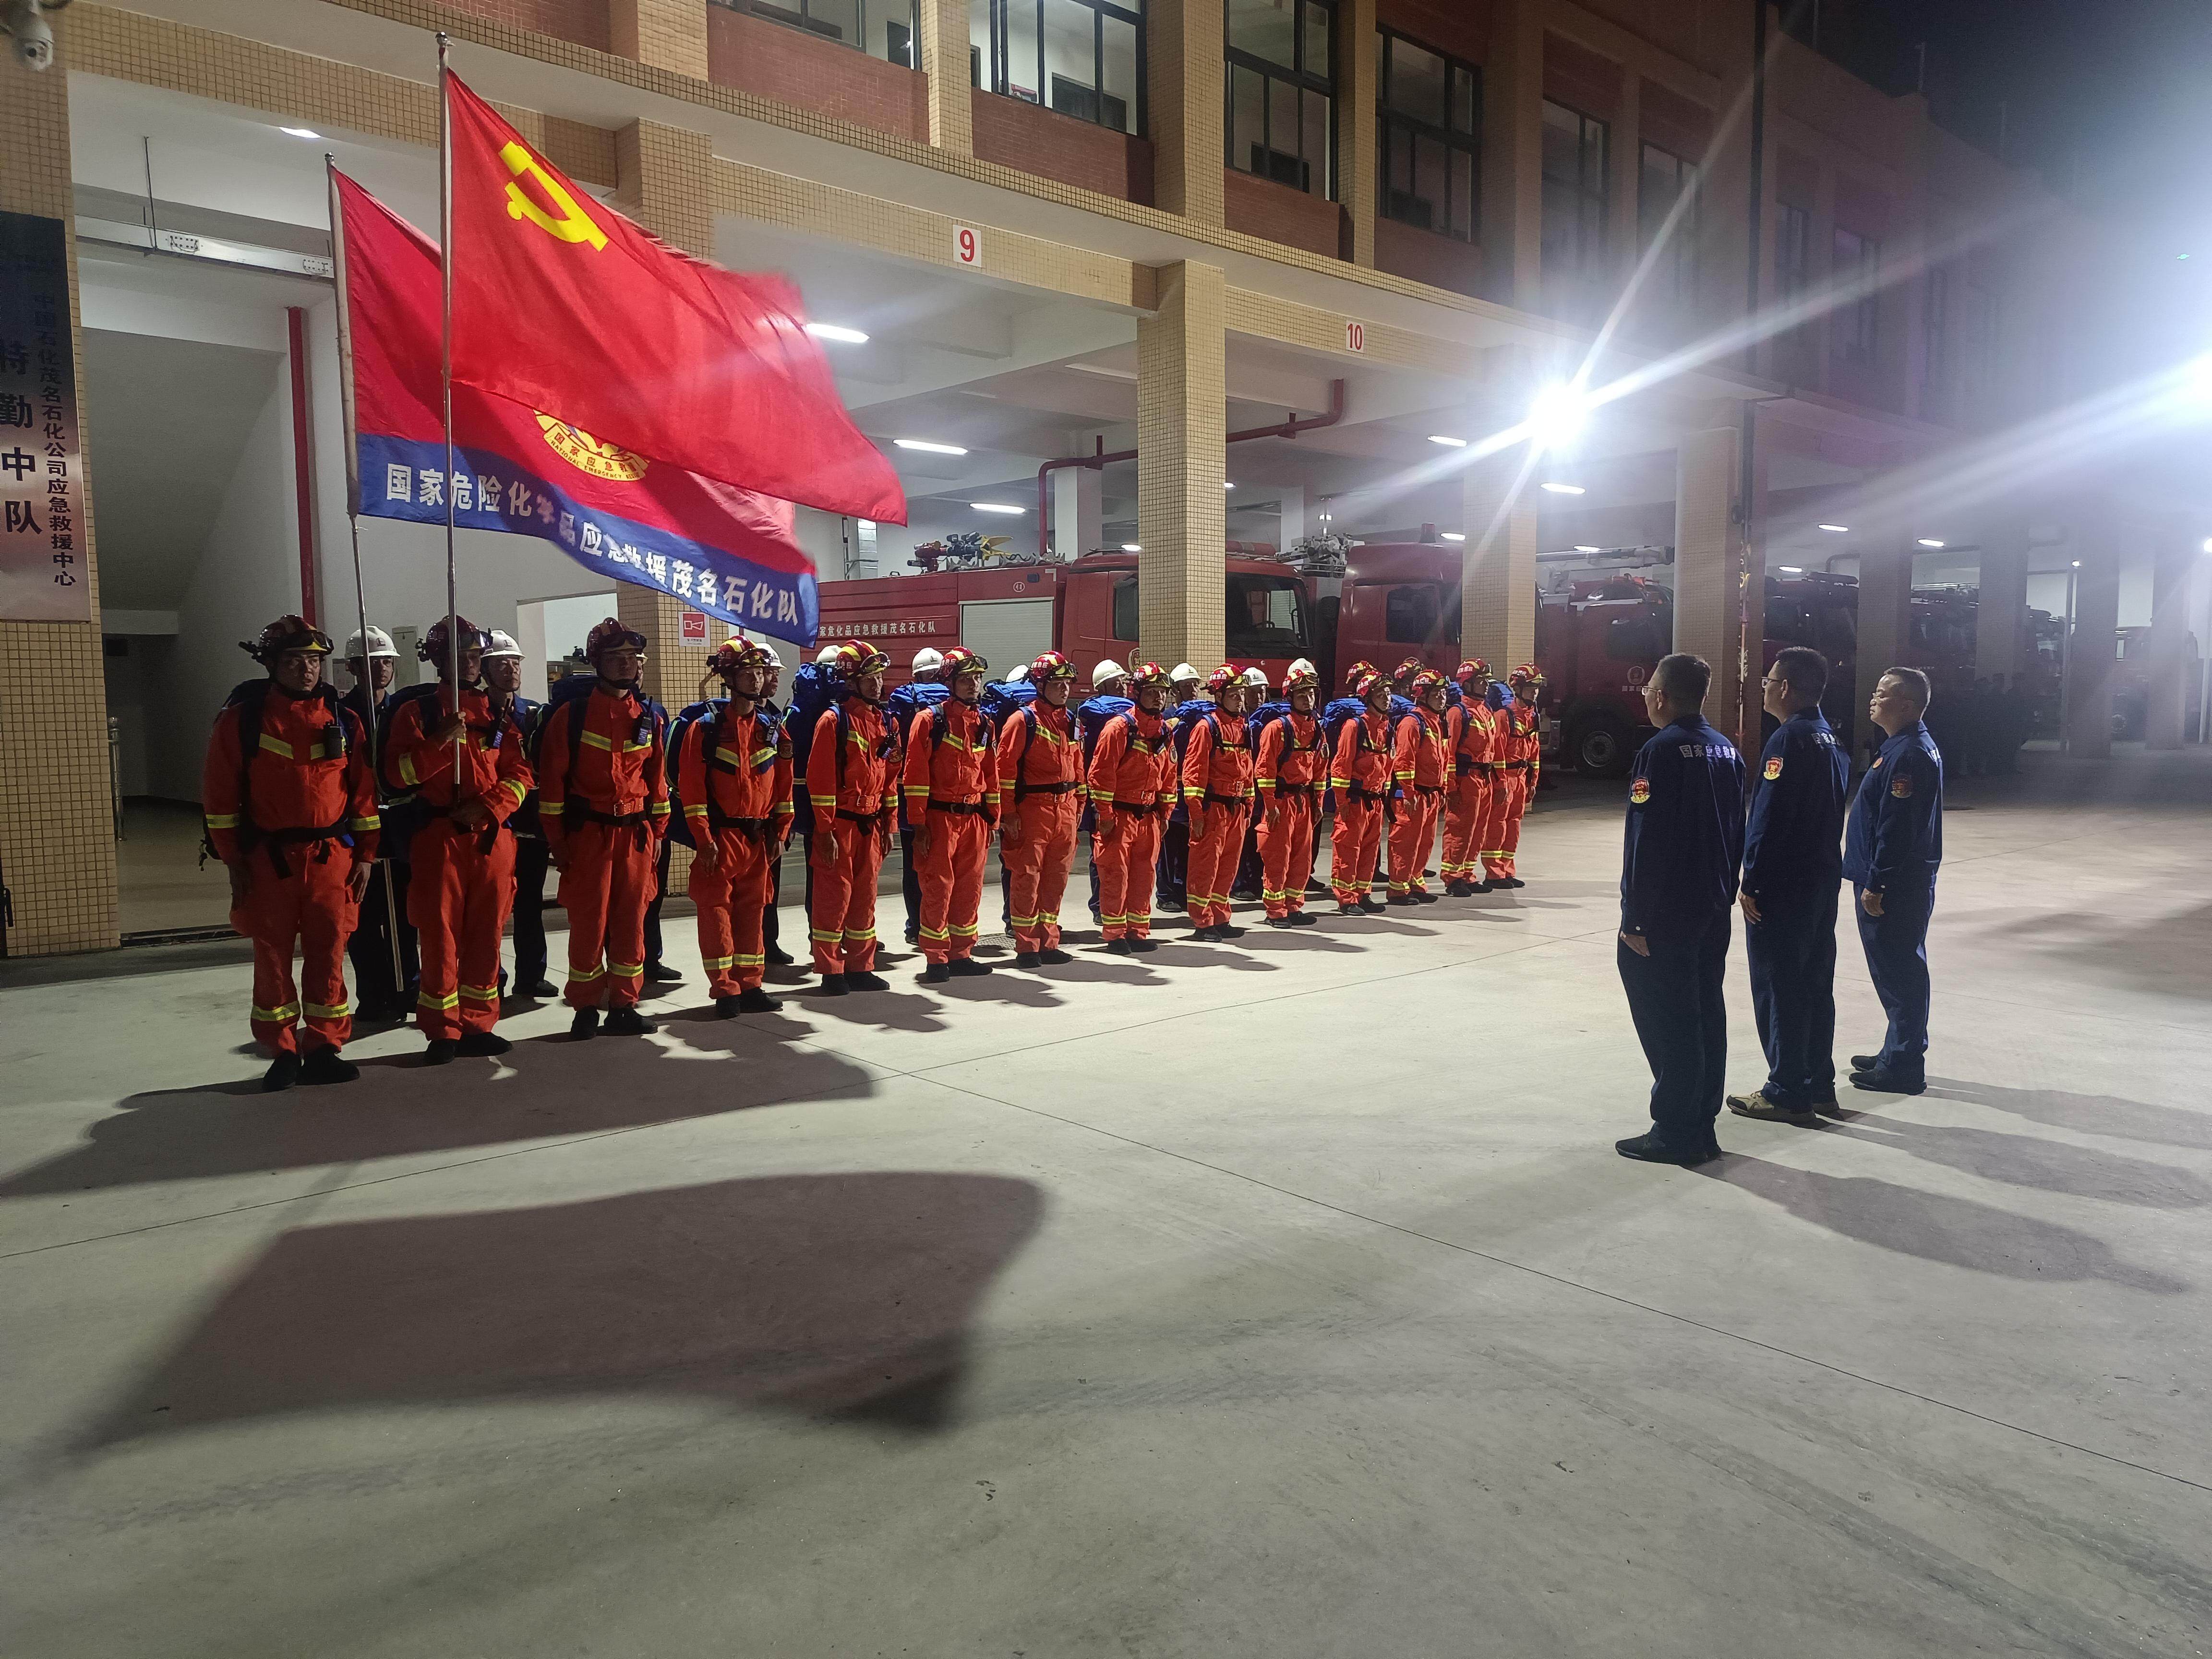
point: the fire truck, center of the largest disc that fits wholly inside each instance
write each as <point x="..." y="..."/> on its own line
<point x="1084" y="608"/>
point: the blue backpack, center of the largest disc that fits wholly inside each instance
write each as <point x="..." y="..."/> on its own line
<point x="710" y="713"/>
<point x="1000" y="699"/>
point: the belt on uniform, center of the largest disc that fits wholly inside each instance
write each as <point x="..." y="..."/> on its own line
<point x="1428" y="789"/>
<point x="1358" y="793"/>
<point x="1143" y="809"/>
<point x="968" y="808"/>
<point x="1212" y="799"/>
<point x="1284" y="791"/>
<point x="1513" y="765"/>
<point x="593" y="815"/>
<point x="277" y="840"/>
<point x="1023" y="789"/>
<point x="868" y="821"/>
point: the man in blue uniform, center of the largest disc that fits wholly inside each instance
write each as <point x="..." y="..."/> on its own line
<point x="1891" y="854"/>
<point x="502" y="679"/>
<point x="1680" y="858"/>
<point x="1793" y="864"/>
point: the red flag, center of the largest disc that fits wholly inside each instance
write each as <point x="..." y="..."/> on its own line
<point x="562" y="304"/>
<point x="726" y="551"/>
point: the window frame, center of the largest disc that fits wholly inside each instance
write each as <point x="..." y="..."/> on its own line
<point x="796" y="14"/>
<point x="1936" y="332"/>
<point x="1234" y="57"/>
<point x="1468" y="143"/>
<point x="1683" y="266"/>
<point x="1593" y="263"/>
<point x="1855" y="328"/>
<point x="1255" y="639"/>
<point x="995" y="76"/>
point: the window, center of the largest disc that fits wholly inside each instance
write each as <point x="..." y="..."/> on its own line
<point x="1409" y="614"/>
<point x="1281" y="94"/>
<point x="882" y="28"/>
<point x="1124" y="608"/>
<point x="1638" y="637"/>
<point x="1082" y="57"/>
<point x="1935" y="399"/>
<point x="1266" y="617"/>
<point x="1856" y="261"/>
<point x="1665" y="178"/>
<point x="1793" y="252"/>
<point x="1428" y="114"/>
<point x="1575" y="205"/>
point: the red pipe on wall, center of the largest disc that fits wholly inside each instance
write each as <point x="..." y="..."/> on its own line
<point x="1288" y="428"/>
<point x="303" y="462"/>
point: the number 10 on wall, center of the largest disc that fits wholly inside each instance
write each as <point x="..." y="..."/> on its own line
<point x="1355" y="337"/>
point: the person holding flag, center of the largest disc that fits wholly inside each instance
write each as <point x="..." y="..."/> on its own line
<point x="734" y="779"/>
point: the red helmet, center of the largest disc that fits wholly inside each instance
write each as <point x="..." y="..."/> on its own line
<point x="1528" y="670"/>
<point x="435" y="647"/>
<point x="855" y="661"/>
<point x="1467" y="669"/>
<point x="611" y="636"/>
<point x="1427" y="680"/>
<point x="1410" y="665"/>
<point x="1370" y="682"/>
<point x="1358" y="671"/>
<point x="1221" y="678"/>
<point x="1051" y="667"/>
<point x="961" y="661"/>
<point x="1149" y="673"/>
<point x="287" y="633"/>
<point x="737" y="652"/>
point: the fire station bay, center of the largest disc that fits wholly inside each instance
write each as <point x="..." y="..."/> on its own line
<point x="1570" y="332"/>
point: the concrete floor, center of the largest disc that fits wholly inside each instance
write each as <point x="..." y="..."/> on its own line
<point x="1284" y="1300"/>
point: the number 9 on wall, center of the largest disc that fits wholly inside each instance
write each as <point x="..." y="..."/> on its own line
<point x="967" y="246"/>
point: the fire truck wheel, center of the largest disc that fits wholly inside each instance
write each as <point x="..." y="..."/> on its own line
<point x="1602" y="745"/>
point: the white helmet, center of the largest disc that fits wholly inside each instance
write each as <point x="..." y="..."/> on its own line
<point x="928" y="660"/>
<point x="502" y="645"/>
<point x="1017" y="675"/>
<point x="1107" y="673"/>
<point x="1256" y="678"/>
<point x="379" y="645"/>
<point x="1302" y="666"/>
<point x="769" y="651"/>
<point x="826" y="655"/>
<point x="1181" y="671"/>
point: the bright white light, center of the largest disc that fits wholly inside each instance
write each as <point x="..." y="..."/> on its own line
<point x="1564" y="489"/>
<point x="1579" y="548"/>
<point x="833" y="331"/>
<point x="1447" y="440"/>
<point x="299" y="132"/>
<point x="1791" y="569"/>
<point x="1929" y="541"/>
<point x="1225" y="484"/>
<point x="927" y="448"/>
<point x="996" y="507"/>
<point x="2077" y="565"/>
<point x="1839" y="529"/>
<point x="1556" y="416"/>
<point x="2207" y="544"/>
<point x="1131" y="547"/>
<point x="1454" y="536"/>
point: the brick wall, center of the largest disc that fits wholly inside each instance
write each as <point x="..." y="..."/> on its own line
<point x="772" y="61"/>
<point x="1260" y="207"/>
<point x="1422" y="255"/>
<point x="1017" y="133"/>
<point x="584" y="21"/>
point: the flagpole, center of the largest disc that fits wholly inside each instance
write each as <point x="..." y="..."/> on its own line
<point x="446" y="374"/>
<point x="352" y="527"/>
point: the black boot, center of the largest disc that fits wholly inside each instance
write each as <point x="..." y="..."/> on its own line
<point x="1304" y="918"/>
<point x="1028" y="959"/>
<point x="1280" y="921"/>
<point x="936" y="974"/>
<point x="833" y="985"/>
<point x="966" y="968"/>
<point x="753" y="1000"/>
<point x="628" y="1022"/>
<point x="325" y="1065"/>
<point x="1118" y="947"/>
<point x="1053" y="957"/>
<point x="440" y="1052"/>
<point x="726" y="1007"/>
<point x="483" y="1042"/>
<point x="585" y="1025"/>
<point x="283" y="1072"/>
<point x="1143" y="942"/>
<point x="1226" y="931"/>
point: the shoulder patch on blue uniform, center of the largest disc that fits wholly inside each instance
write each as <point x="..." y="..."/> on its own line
<point x="1774" y="769"/>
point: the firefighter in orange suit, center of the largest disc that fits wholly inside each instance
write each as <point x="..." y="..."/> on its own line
<point x="462" y="759"/>
<point x="1419" y="767"/>
<point x="1217" y="793"/>
<point x="1523" y="757"/>
<point x="1359" y="774"/>
<point x="1131" y="781"/>
<point x="952" y="792"/>
<point x="1040" y="803"/>
<point x="853" y="784"/>
<point x="733" y="777"/>
<point x="291" y="811"/>
<point x="1288" y="779"/>
<point x="603" y="802"/>
<point x="1472" y="736"/>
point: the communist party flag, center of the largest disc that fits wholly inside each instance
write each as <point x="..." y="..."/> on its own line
<point x="562" y="304"/>
<point x="720" y="550"/>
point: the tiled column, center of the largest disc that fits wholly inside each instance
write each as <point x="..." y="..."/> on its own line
<point x="2168" y="687"/>
<point x="1708" y="582"/>
<point x="2000" y="614"/>
<point x="670" y="34"/>
<point x="56" y="835"/>
<point x="1181" y="462"/>
<point x="1183" y="87"/>
<point x="1078" y="504"/>
<point x="1512" y="156"/>
<point x="2096" y="619"/>
<point x="943" y="48"/>
<point x="1497" y="570"/>
<point x="1884" y="624"/>
<point x="1356" y="146"/>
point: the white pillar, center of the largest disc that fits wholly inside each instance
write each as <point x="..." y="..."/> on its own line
<point x="1293" y="527"/>
<point x="1076" y="492"/>
<point x="530" y="635"/>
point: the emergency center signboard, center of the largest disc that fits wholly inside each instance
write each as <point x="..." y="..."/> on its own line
<point x="43" y="576"/>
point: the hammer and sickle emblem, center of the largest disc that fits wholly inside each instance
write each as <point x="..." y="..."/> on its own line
<point x="573" y="225"/>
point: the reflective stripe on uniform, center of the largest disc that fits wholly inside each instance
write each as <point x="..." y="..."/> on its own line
<point x="480" y="993"/>
<point x="424" y="1000"/>
<point x="277" y="745"/>
<point x="222" y="820"/>
<point x="340" y="1011"/>
<point x="596" y="741"/>
<point x="280" y="1016"/>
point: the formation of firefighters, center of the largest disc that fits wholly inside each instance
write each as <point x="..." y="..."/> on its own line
<point x="456" y="781"/>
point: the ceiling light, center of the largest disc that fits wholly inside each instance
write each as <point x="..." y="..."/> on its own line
<point x="1929" y="541"/>
<point x="1839" y="529"/>
<point x="299" y="132"/>
<point x="1225" y="484"/>
<point x="1791" y="569"/>
<point x="833" y="331"/>
<point x="1565" y="488"/>
<point x="1447" y="440"/>
<point x="1454" y="536"/>
<point x="1556" y="416"/>
<point x="996" y="507"/>
<point x="1131" y="547"/>
<point x="1579" y="548"/>
<point x="2077" y="565"/>
<point x="927" y="448"/>
<point x="2207" y="544"/>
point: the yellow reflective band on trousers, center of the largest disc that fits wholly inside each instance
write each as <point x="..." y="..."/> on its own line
<point x="712" y="963"/>
<point x="585" y="975"/>
<point x="481" y="993"/>
<point x="627" y="970"/>
<point x="280" y="1016"/>
<point x="424" y="1000"/>
<point x="341" y="1011"/>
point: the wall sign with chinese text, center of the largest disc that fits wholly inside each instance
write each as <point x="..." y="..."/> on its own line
<point x="45" y="574"/>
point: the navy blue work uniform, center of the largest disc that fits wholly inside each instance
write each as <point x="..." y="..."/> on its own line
<point x="383" y="910"/>
<point x="531" y="863"/>
<point x="1679" y="859"/>
<point x="1892" y="846"/>
<point x="1793" y="869"/>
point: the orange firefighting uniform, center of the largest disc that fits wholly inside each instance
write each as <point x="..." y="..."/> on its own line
<point x="603" y="802"/>
<point x="1288" y="778"/>
<point x="1474" y="791"/>
<point x="1359" y="774"/>
<point x="462" y="882"/>
<point x="1521" y="752"/>
<point x="1419" y="768"/>
<point x="1132" y="783"/>
<point x="855" y="793"/>
<point x="734" y="776"/>
<point x="307" y="791"/>
<point x="952" y="792"/>
<point x="1217" y="793"/>
<point x="1041" y="801"/>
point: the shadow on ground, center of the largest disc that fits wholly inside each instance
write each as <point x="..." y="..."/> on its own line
<point x="2050" y="1166"/>
<point x="2096" y="1114"/>
<point x="549" y="1087"/>
<point x="844" y="1296"/>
